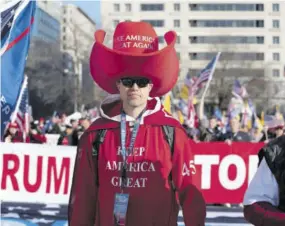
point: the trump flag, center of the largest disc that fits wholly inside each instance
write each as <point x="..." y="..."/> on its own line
<point x="16" y="21"/>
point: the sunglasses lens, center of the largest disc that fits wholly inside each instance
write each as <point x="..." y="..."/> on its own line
<point x="127" y="82"/>
<point x="142" y="82"/>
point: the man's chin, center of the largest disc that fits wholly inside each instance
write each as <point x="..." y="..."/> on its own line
<point x="134" y="103"/>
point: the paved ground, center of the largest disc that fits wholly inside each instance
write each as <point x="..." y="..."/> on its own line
<point x="19" y="214"/>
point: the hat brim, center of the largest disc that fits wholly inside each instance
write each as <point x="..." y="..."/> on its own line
<point x="107" y="66"/>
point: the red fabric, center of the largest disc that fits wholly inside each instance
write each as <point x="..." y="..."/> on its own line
<point x="264" y="214"/>
<point x="65" y="141"/>
<point x="13" y="125"/>
<point x="39" y="137"/>
<point x="152" y="202"/>
<point x="18" y="138"/>
<point x="135" y="53"/>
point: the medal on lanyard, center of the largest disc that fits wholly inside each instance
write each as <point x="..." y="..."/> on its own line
<point x="120" y="209"/>
<point x="122" y="200"/>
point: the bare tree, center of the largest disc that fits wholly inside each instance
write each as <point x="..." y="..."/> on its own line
<point x="47" y="83"/>
<point x="78" y="45"/>
<point x="232" y="65"/>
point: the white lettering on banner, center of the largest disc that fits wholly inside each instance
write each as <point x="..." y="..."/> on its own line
<point x="131" y="182"/>
<point x="207" y="161"/>
<point x="239" y="163"/>
<point x="252" y="167"/>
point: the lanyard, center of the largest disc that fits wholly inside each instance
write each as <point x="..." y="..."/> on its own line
<point x="123" y="143"/>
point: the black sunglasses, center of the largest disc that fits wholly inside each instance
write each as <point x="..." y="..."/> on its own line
<point x="129" y="82"/>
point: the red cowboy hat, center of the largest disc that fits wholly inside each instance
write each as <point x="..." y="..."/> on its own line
<point x="135" y="53"/>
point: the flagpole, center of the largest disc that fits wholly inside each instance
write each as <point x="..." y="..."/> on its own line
<point x="25" y="83"/>
<point x="201" y="106"/>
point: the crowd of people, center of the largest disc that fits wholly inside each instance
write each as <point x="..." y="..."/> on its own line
<point x="215" y="130"/>
<point x="69" y="131"/>
<point x="211" y="129"/>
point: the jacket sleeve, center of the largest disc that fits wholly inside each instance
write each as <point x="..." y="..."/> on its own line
<point x="83" y="196"/>
<point x="190" y="198"/>
<point x="264" y="214"/>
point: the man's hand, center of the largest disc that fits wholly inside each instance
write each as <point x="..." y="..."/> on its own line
<point x="229" y="142"/>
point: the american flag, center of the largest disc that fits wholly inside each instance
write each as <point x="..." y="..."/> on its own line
<point x="206" y="74"/>
<point x="21" y="114"/>
<point x="239" y="89"/>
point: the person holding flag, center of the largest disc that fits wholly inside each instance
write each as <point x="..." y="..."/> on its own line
<point x="131" y="163"/>
<point x="16" y="23"/>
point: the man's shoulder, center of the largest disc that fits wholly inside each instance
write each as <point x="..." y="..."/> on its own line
<point x="162" y="118"/>
<point x="274" y="153"/>
<point x="103" y="123"/>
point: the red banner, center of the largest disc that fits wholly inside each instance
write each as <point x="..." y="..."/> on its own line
<point x="43" y="173"/>
<point x="222" y="171"/>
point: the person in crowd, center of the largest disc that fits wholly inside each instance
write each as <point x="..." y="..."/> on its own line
<point x="210" y="131"/>
<point x="75" y="129"/>
<point x="13" y="134"/>
<point x="54" y="126"/>
<point x="147" y="184"/>
<point x="84" y="123"/>
<point x="36" y="136"/>
<point x="62" y="121"/>
<point x="235" y="134"/>
<point x="264" y="200"/>
<point x="41" y="125"/>
<point x="278" y="131"/>
<point x="257" y="134"/>
<point x="67" y="137"/>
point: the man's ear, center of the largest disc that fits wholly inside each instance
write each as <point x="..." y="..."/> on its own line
<point x="118" y="85"/>
<point x="150" y="86"/>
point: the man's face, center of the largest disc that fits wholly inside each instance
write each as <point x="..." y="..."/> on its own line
<point x="279" y="132"/>
<point x="85" y="123"/>
<point x="13" y="131"/>
<point x="74" y="124"/>
<point x="134" y="91"/>
<point x="235" y="125"/>
<point x="213" y="123"/>
<point x="54" y="120"/>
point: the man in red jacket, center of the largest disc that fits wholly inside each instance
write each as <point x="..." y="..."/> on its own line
<point x="264" y="199"/>
<point x="126" y="179"/>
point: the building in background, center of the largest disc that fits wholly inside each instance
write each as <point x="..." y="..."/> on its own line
<point x="77" y="38"/>
<point x="77" y="31"/>
<point x="47" y="21"/>
<point x="250" y="35"/>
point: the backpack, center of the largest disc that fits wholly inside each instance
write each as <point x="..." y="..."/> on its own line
<point x="168" y="135"/>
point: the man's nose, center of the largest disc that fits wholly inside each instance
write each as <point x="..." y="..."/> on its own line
<point x="135" y="86"/>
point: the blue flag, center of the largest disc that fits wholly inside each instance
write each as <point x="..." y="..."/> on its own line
<point x="16" y="26"/>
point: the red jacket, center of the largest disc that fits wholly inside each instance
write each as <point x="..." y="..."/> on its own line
<point x="152" y="201"/>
